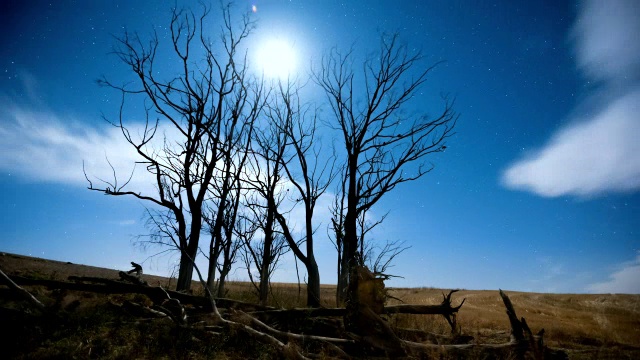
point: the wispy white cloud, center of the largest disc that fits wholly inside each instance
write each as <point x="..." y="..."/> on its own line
<point x="599" y="151"/>
<point x="606" y="36"/>
<point x="598" y="155"/>
<point x="45" y="147"/>
<point x="126" y="222"/>
<point x="626" y="280"/>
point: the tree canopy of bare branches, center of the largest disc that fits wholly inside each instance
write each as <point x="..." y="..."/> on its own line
<point x="209" y="104"/>
<point x="308" y="172"/>
<point x="384" y="141"/>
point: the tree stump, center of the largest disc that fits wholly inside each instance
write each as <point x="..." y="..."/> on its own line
<point x="365" y="303"/>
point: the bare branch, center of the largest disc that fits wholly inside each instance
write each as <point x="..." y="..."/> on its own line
<point x="385" y="141"/>
<point x="208" y="106"/>
<point x="24" y="293"/>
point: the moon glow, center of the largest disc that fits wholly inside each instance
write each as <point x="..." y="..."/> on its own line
<point x="277" y="59"/>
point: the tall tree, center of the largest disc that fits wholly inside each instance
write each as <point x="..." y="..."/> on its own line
<point x="225" y="189"/>
<point x="287" y="153"/>
<point x="263" y="245"/>
<point x="264" y="179"/>
<point x="308" y="170"/>
<point x="382" y="134"/>
<point x="224" y="243"/>
<point x="202" y="103"/>
<point x="230" y="244"/>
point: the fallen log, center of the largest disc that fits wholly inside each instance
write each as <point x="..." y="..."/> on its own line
<point x="522" y="337"/>
<point x="188" y="298"/>
<point x="421" y="336"/>
<point x="102" y="285"/>
<point x="508" y="350"/>
<point x="420" y="309"/>
<point x="441" y="309"/>
<point x="522" y="344"/>
<point x="156" y="294"/>
<point x="445" y="309"/>
<point x="134" y="279"/>
<point x="24" y="293"/>
<point x="322" y="312"/>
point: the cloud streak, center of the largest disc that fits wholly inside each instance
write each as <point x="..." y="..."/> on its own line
<point x="598" y="152"/>
<point x="44" y="147"/>
<point x="606" y="34"/>
<point x="626" y="280"/>
<point x="595" y="156"/>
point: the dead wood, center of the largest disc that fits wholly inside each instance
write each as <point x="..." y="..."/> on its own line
<point x="523" y="339"/>
<point x="331" y="343"/>
<point x="392" y="309"/>
<point x="244" y="317"/>
<point x="139" y="310"/>
<point x="522" y="343"/>
<point x="508" y="350"/>
<point x="421" y="336"/>
<point x="365" y="303"/>
<point x="156" y="294"/>
<point x="419" y="309"/>
<point x="174" y="309"/>
<point x="288" y="351"/>
<point x="171" y="305"/>
<point x="444" y="308"/>
<point x="134" y="279"/>
<point x="22" y="292"/>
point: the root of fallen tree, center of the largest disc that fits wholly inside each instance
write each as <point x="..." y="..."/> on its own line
<point x="306" y="333"/>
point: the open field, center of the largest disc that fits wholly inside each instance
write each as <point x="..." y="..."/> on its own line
<point x="586" y="326"/>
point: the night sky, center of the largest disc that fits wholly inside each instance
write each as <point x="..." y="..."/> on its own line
<point x="537" y="191"/>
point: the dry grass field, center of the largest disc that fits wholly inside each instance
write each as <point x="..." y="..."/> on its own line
<point x="585" y="326"/>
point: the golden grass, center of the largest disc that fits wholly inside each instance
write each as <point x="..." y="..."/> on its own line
<point x="588" y="326"/>
<point x="569" y="320"/>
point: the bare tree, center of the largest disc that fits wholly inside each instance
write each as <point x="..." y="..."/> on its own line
<point x="206" y="100"/>
<point x="261" y="252"/>
<point x="264" y="179"/>
<point x="222" y="223"/>
<point x="230" y="246"/>
<point x="379" y="258"/>
<point x="381" y="137"/>
<point x="308" y="170"/>
<point x="225" y="190"/>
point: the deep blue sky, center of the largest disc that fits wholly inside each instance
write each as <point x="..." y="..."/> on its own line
<point x="537" y="191"/>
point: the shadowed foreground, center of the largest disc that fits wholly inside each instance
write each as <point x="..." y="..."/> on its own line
<point x="93" y="325"/>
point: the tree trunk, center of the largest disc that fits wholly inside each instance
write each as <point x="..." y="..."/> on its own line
<point x="213" y="263"/>
<point x="264" y="283"/>
<point x="343" y="278"/>
<point x="267" y="257"/>
<point x="364" y="306"/>
<point x="211" y="277"/>
<point x="185" y="273"/>
<point x="227" y="261"/>
<point x="226" y="268"/>
<point x="349" y="261"/>
<point x="221" y="284"/>
<point x="313" y="286"/>
<point x="189" y="252"/>
<point x="263" y="288"/>
<point x="350" y="239"/>
<point x="215" y="246"/>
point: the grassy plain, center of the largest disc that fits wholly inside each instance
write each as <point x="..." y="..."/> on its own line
<point x="586" y="326"/>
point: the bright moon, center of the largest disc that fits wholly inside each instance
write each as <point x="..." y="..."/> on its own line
<point x="276" y="58"/>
